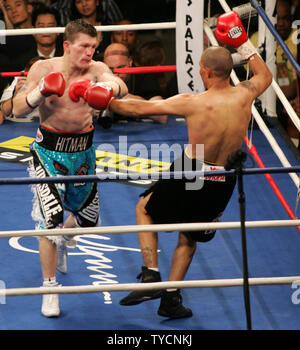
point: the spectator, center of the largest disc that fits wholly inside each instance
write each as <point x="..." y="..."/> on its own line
<point x="152" y="53"/>
<point x="140" y="86"/>
<point x="9" y="93"/>
<point x="91" y="12"/>
<point x="13" y="55"/>
<point x="125" y="37"/>
<point x="297" y="18"/>
<point x="110" y="10"/>
<point x="286" y="74"/>
<point x="37" y="2"/>
<point x="295" y="8"/>
<point x="17" y="13"/>
<point x="45" y="45"/>
<point x="8" y="24"/>
<point x="63" y="7"/>
<point x="48" y="45"/>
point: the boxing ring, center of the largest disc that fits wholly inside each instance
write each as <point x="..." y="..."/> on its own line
<point x="106" y="258"/>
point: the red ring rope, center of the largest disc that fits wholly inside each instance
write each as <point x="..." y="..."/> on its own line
<point x="129" y="70"/>
<point x="13" y="74"/>
<point x="150" y="69"/>
<point x="271" y="181"/>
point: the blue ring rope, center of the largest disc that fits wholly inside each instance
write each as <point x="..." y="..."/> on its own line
<point x="110" y="177"/>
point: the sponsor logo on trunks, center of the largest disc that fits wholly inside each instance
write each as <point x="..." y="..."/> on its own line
<point x="49" y="204"/>
<point x="39" y="136"/>
<point x="91" y="212"/>
<point x="83" y="169"/>
<point x="61" y="168"/>
<point x="214" y="178"/>
<point x="71" y="144"/>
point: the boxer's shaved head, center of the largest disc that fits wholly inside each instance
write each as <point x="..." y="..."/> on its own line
<point x="219" y="60"/>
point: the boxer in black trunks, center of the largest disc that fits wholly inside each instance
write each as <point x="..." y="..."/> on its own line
<point x="171" y="202"/>
<point x="217" y="119"/>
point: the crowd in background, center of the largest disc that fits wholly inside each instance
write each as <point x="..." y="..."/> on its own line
<point x="142" y="48"/>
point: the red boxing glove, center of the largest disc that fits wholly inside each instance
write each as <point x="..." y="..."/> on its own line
<point x="51" y="84"/>
<point x="98" y="96"/>
<point x="78" y="89"/>
<point x="230" y="31"/>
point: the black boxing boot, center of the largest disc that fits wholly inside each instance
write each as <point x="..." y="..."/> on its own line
<point x="137" y="297"/>
<point x="171" y="305"/>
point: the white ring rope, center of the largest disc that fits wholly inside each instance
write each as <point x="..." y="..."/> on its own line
<point x="242" y="10"/>
<point x="106" y="28"/>
<point x="236" y="282"/>
<point x="203" y="226"/>
<point x="273" y="143"/>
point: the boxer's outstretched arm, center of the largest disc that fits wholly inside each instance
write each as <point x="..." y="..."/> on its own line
<point x="175" y="105"/>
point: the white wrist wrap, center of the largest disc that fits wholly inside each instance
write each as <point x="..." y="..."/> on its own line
<point x="246" y="50"/>
<point x="35" y="98"/>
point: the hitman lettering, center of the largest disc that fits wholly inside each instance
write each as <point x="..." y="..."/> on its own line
<point x="71" y="144"/>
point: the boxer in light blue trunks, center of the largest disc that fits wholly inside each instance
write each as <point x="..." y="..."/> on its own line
<point x="61" y="154"/>
<point x="66" y="90"/>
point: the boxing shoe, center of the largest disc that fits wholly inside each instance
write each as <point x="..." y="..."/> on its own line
<point x="50" y="303"/>
<point x="171" y="305"/>
<point x="137" y="297"/>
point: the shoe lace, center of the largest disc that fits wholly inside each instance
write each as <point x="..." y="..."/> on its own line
<point x="141" y="273"/>
<point x="177" y="297"/>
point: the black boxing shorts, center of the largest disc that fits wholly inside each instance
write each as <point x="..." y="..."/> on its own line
<point x="172" y="203"/>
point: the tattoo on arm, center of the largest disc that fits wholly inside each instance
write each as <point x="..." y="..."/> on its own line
<point x="22" y="89"/>
<point x="247" y="84"/>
